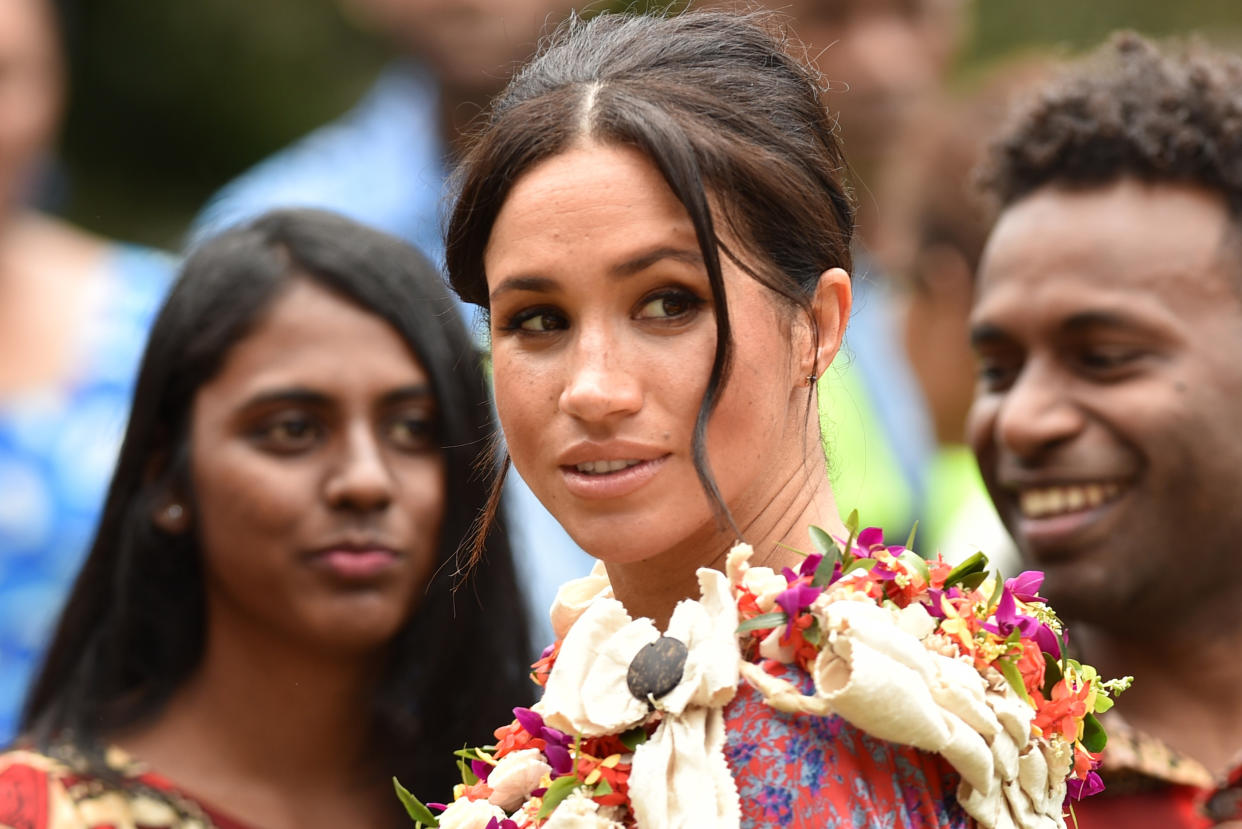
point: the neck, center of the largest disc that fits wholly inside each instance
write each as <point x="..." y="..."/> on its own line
<point x="1186" y="678"/>
<point x="776" y="528"/>
<point x="258" y="707"/>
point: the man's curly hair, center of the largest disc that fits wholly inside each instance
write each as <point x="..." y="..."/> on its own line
<point x="1129" y="110"/>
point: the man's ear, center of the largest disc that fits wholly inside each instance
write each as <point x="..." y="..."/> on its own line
<point x="830" y="312"/>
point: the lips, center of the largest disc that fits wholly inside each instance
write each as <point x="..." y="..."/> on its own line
<point x="600" y="471"/>
<point x="355" y="560"/>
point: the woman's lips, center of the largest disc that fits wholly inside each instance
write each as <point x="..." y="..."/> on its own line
<point x="600" y="480"/>
<point x="356" y="564"/>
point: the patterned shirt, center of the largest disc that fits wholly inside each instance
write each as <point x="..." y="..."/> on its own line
<point x="797" y="771"/>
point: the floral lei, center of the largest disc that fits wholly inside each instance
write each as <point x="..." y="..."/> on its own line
<point x="536" y="775"/>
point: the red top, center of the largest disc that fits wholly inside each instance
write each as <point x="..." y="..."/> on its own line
<point x="40" y="792"/>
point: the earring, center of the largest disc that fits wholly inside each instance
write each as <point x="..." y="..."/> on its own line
<point x="810" y="379"/>
<point x="173" y="512"/>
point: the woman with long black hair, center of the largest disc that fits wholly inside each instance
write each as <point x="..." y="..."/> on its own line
<point x="266" y="627"/>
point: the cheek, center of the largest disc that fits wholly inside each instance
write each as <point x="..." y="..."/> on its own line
<point x="243" y="500"/>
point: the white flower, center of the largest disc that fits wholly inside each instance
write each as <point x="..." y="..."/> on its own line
<point x="469" y="814"/>
<point x="580" y="812"/>
<point x="514" y="776"/>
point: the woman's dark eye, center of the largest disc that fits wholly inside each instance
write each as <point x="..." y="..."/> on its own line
<point x="669" y="305"/>
<point x="412" y="432"/>
<point x="289" y="433"/>
<point x="537" y="321"/>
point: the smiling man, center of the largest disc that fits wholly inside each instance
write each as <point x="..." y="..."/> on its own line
<point x="1108" y="328"/>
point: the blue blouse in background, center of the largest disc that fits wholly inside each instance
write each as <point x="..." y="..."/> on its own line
<point x="57" y="450"/>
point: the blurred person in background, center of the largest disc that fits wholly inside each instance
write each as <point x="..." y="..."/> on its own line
<point x="1108" y="327"/>
<point x="265" y="629"/>
<point x="880" y="61"/>
<point x="74" y="311"/>
<point x="385" y="163"/>
<point x="937" y="226"/>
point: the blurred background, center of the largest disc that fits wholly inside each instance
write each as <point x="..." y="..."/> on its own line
<point x="169" y="100"/>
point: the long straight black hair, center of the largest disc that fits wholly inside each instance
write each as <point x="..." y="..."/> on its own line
<point x="726" y="113"/>
<point x="132" y="630"/>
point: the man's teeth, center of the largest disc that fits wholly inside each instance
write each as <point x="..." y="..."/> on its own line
<point x="604" y="467"/>
<point x="1057" y="500"/>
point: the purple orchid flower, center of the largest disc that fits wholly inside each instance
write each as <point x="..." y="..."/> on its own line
<point x="497" y="823"/>
<point x="793" y="600"/>
<point x="1009" y="619"/>
<point x="1026" y="585"/>
<point x="1076" y="789"/>
<point x="556" y="742"/>
<point x="481" y="769"/>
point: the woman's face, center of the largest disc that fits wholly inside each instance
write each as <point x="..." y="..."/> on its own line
<point x="318" y="482"/>
<point x="603" y="335"/>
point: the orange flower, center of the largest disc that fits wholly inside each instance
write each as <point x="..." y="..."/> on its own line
<point x="542" y="668"/>
<point x="940" y="570"/>
<point x="611" y="770"/>
<point x="1063" y="713"/>
<point x="513" y="737"/>
<point x="477" y="791"/>
<point x="1031" y="666"/>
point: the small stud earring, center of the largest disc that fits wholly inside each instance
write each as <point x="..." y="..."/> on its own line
<point x="173" y="512"/>
<point x="810" y="379"/>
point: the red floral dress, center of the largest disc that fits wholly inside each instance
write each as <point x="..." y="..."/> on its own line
<point x="808" y="772"/>
<point x="40" y="792"/>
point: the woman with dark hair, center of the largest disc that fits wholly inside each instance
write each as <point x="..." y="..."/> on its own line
<point x="265" y="627"/>
<point x="655" y="219"/>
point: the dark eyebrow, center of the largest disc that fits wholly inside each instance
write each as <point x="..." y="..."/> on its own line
<point x="1099" y="319"/>
<point x="310" y="397"/>
<point x="986" y="333"/>
<point x="542" y="284"/>
<point x="646" y="260"/>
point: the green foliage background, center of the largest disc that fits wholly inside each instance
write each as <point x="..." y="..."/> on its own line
<point x="170" y="98"/>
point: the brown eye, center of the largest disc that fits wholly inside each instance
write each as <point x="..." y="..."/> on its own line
<point x="412" y="432"/>
<point x="669" y="305"/>
<point x="289" y="433"/>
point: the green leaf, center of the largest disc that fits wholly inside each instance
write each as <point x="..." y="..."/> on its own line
<point x="973" y="581"/>
<point x="851" y="522"/>
<point x="919" y="565"/>
<point x="978" y="563"/>
<point x="1052" y="674"/>
<point x="602" y="788"/>
<point x="763" y="621"/>
<point x="813" y="634"/>
<point x="419" y="813"/>
<point x="1093" y="736"/>
<point x="823" y="543"/>
<point x="560" y="789"/>
<point x="633" y="738"/>
<point x="910" y="538"/>
<point x="1009" y="669"/>
<point x="467" y="774"/>
<point x="997" y="590"/>
<point x="1102" y="703"/>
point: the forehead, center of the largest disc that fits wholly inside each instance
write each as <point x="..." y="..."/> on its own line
<point x="311" y="336"/>
<point x="1125" y="247"/>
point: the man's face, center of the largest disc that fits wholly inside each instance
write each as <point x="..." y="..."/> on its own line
<point x="881" y="58"/>
<point x="1108" y="329"/>
<point x="472" y="45"/>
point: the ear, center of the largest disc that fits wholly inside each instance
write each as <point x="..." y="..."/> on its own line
<point x="172" y="516"/>
<point x="830" y="311"/>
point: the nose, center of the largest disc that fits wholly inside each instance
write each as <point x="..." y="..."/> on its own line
<point x="600" y="387"/>
<point x="360" y="480"/>
<point x="1037" y="413"/>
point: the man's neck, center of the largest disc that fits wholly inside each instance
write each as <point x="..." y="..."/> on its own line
<point x="1186" y="679"/>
